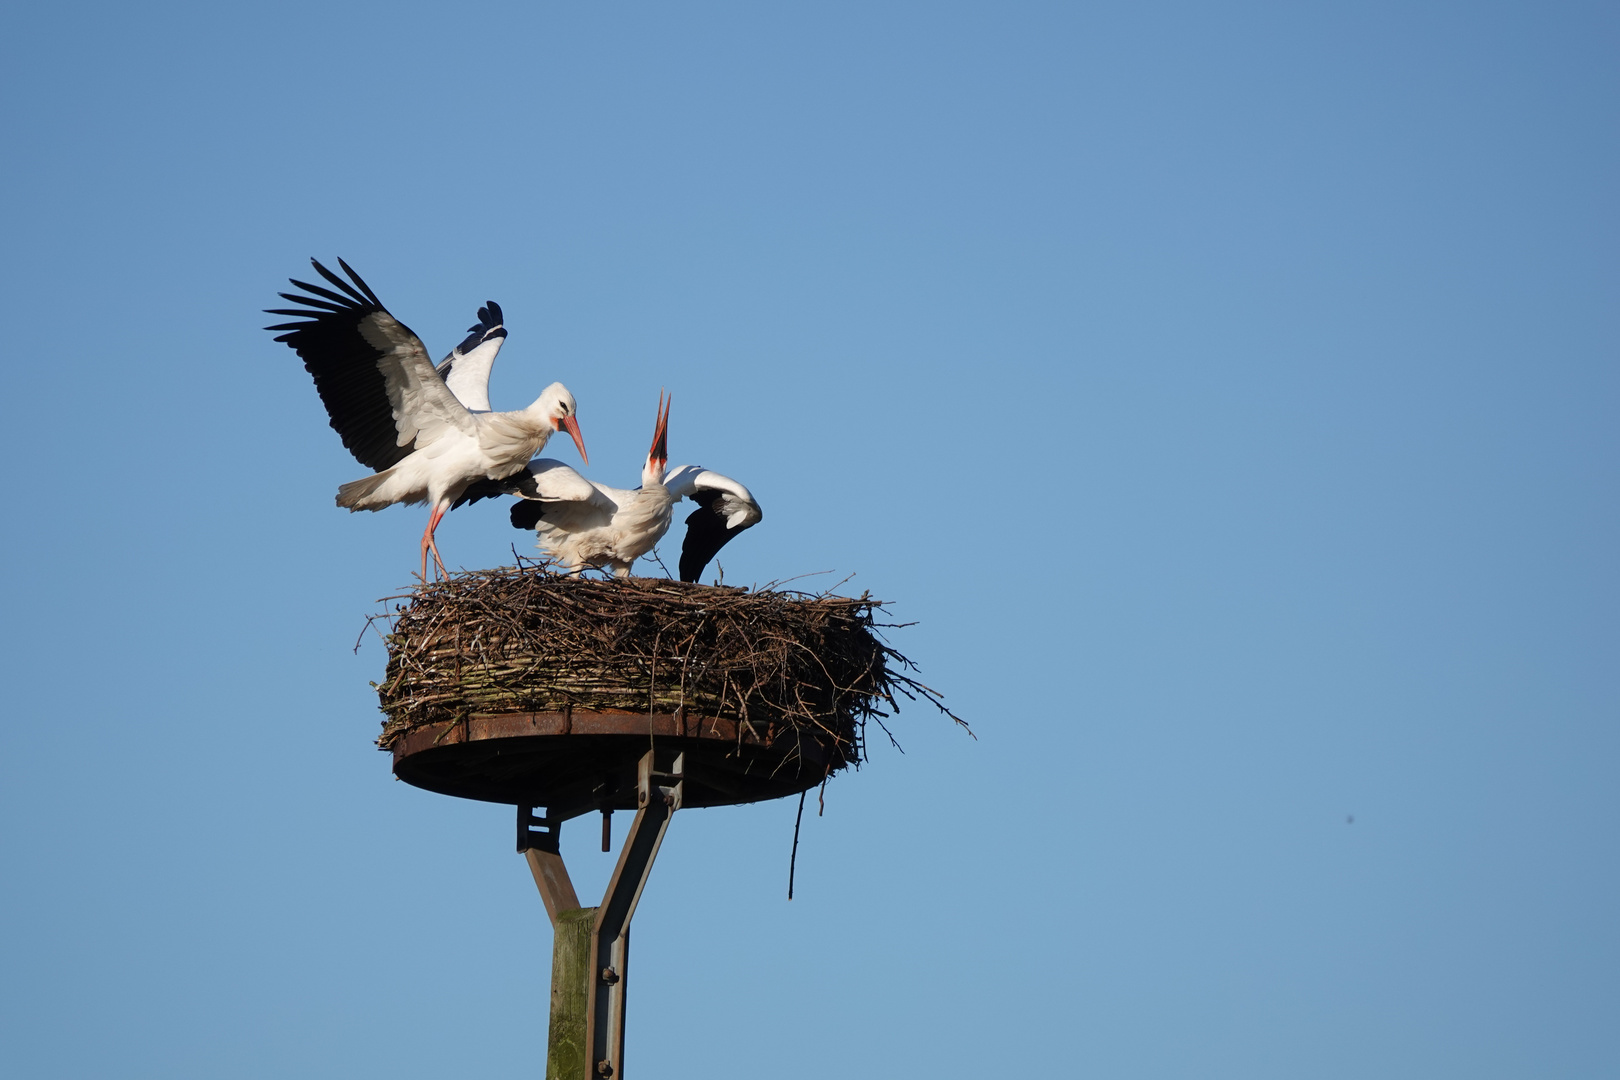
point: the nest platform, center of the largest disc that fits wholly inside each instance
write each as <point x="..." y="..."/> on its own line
<point x="525" y="687"/>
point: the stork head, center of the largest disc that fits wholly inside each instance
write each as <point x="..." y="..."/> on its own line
<point x="658" y="456"/>
<point x="557" y="405"/>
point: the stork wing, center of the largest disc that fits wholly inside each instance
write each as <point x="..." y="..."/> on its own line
<point x="542" y="480"/>
<point x="725" y="508"/>
<point x="466" y="370"/>
<point x="372" y="372"/>
<point x="547" y="482"/>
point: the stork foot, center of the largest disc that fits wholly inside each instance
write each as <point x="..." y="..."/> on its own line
<point x="428" y="544"/>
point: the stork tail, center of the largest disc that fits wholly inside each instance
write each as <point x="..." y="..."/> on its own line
<point x="355" y="493"/>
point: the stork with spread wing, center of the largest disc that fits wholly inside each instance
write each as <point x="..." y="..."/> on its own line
<point x="394" y="411"/>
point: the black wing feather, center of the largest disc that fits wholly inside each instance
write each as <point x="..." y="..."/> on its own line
<point x="520" y="483"/>
<point x="345" y="287"/>
<point x="338" y="298"/>
<point x="310" y="301"/>
<point x="487" y="326"/>
<point x="358" y="280"/>
<point x="706" y="534"/>
<point x="526" y="513"/>
<point x="302" y="313"/>
<point x="488" y="489"/>
<point x="344" y="366"/>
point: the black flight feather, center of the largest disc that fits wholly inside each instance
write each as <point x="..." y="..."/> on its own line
<point x="343" y="286"/>
<point x="706" y="534"/>
<point x="526" y="513"/>
<point x="488" y="326"/>
<point x="337" y="298"/>
<point x="310" y="301"/>
<point x="344" y="365"/>
<point x="358" y="280"/>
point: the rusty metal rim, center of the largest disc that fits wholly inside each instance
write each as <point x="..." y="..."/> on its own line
<point x="680" y="724"/>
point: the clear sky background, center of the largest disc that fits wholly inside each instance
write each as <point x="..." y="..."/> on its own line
<point x="1228" y="392"/>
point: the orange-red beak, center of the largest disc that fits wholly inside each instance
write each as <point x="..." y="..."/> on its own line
<point x="660" y="446"/>
<point x="570" y="425"/>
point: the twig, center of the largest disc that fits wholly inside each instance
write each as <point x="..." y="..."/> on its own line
<point x="793" y="860"/>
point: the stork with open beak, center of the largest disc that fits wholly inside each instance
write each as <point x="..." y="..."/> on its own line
<point x="582" y="523"/>
<point x="394" y="412"/>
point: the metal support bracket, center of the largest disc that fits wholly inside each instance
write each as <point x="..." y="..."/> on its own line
<point x="544" y="856"/>
<point x="658" y="796"/>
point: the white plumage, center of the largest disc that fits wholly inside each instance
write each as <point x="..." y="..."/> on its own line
<point x="466" y="370"/>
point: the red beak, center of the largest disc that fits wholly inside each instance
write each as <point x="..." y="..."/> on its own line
<point x="660" y="446"/>
<point x="570" y="425"/>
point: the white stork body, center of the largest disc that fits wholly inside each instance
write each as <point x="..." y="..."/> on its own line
<point x="395" y="413"/>
<point x="589" y="524"/>
<point x="582" y="523"/>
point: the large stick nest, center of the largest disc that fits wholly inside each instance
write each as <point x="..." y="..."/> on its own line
<point x="526" y="640"/>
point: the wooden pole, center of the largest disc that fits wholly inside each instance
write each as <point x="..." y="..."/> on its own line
<point x="567" y="1056"/>
<point x="590" y="947"/>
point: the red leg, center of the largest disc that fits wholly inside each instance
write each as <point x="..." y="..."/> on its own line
<point x="428" y="544"/>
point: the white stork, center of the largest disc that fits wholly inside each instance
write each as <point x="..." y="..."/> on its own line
<point x="583" y="523"/>
<point x="395" y="413"/>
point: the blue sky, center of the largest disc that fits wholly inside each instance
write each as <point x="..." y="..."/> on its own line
<point x="1228" y="392"/>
